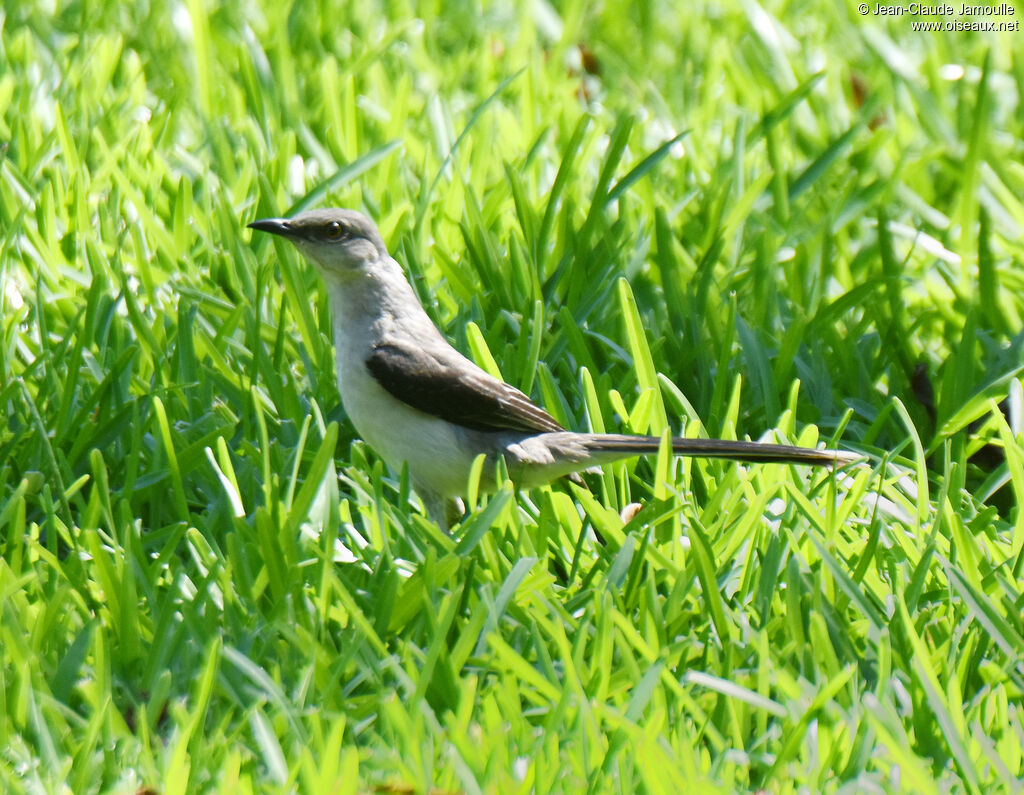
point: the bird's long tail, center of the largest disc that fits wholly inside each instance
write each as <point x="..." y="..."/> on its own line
<point x="539" y="459"/>
<point x="618" y="445"/>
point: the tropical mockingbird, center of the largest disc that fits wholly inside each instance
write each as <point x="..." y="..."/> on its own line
<point x="418" y="401"/>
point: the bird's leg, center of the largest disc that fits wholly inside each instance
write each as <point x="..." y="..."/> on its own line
<point x="444" y="511"/>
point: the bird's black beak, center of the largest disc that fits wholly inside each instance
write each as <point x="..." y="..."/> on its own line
<point x="276" y="226"/>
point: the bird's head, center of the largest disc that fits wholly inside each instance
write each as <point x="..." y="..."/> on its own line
<point x="339" y="242"/>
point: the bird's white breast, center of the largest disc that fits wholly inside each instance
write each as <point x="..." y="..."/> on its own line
<point x="435" y="450"/>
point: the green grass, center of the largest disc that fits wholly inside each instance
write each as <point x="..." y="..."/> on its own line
<point x="783" y="220"/>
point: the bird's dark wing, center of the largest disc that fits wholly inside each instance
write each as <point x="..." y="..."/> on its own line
<point x="439" y="382"/>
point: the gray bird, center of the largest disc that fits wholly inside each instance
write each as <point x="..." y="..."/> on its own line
<point x="417" y="401"/>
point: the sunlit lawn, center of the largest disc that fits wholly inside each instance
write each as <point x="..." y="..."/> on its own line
<point x="784" y="222"/>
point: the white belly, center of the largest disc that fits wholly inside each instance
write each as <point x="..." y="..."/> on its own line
<point x="433" y="449"/>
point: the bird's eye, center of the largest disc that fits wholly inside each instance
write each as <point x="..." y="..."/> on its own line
<point x="334" y="231"/>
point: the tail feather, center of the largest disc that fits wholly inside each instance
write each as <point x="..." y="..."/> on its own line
<point x="539" y="459"/>
<point x="751" y="452"/>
